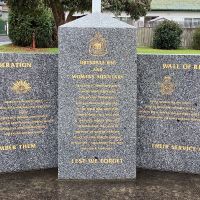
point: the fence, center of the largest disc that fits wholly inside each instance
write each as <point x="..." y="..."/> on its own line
<point x="145" y="37"/>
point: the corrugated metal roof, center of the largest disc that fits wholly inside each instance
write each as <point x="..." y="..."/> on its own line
<point x="179" y="5"/>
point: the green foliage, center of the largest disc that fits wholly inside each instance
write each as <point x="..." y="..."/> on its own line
<point x="26" y="20"/>
<point x="135" y="8"/>
<point x="196" y="39"/>
<point x="167" y="35"/>
<point x="77" y="5"/>
<point x="24" y="5"/>
<point x="25" y="9"/>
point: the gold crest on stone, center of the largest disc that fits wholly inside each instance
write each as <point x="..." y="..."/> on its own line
<point x="98" y="45"/>
<point x="21" y="87"/>
<point x="167" y="86"/>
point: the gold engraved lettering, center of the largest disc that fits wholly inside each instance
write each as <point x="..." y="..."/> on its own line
<point x="23" y="107"/>
<point x="96" y="76"/>
<point x="98" y="62"/>
<point x="169" y="102"/>
<point x="98" y="85"/>
<point x="186" y="66"/>
<point x="83" y="76"/>
<point x="170" y="107"/>
<point x="15" y="65"/>
<point x="27" y="146"/>
<point x="22" y="128"/>
<point x="98" y="132"/>
<point x="196" y="67"/>
<point x="171" y="66"/>
<point x="99" y="91"/>
<point x="175" y="147"/>
<point x="111" y="161"/>
<point x="98" y="69"/>
<point x="26" y="122"/>
<point x="26" y="101"/>
<point x="97" y="103"/>
<point x="8" y="148"/>
<point x="24" y="117"/>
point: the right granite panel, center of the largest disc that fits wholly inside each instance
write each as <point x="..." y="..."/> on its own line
<point x="169" y="112"/>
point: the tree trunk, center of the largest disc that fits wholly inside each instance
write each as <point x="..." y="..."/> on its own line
<point x="59" y="18"/>
<point x="58" y="12"/>
<point x="70" y="17"/>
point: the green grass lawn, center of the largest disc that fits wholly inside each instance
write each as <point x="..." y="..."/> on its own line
<point x="148" y="50"/>
<point x="141" y="50"/>
<point x="9" y="48"/>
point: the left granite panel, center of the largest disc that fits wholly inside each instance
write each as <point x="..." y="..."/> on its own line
<point x="28" y="111"/>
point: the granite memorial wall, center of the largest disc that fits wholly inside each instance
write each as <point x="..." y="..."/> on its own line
<point x="169" y="112"/>
<point x="97" y="99"/>
<point x="28" y="111"/>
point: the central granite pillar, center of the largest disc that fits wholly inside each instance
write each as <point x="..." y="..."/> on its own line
<point x="97" y="99"/>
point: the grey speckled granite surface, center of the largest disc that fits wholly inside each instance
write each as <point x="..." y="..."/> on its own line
<point x="28" y="111"/>
<point x="97" y="100"/>
<point x="169" y="112"/>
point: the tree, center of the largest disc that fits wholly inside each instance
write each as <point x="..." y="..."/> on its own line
<point x="28" y="18"/>
<point x="58" y="11"/>
<point x="134" y="8"/>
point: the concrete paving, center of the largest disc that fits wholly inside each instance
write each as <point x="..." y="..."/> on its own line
<point x="150" y="185"/>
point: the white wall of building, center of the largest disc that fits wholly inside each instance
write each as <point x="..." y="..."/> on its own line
<point x="185" y="18"/>
<point x="174" y="15"/>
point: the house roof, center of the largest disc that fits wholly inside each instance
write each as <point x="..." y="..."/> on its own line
<point x="175" y="5"/>
<point x="158" y="19"/>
